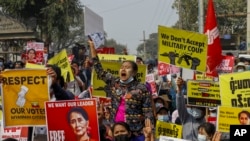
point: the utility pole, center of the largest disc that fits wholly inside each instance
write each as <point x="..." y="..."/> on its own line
<point x="144" y="46"/>
<point x="248" y="25"/>
<point x="180" y="14"/>
<point x="201" y="15"/>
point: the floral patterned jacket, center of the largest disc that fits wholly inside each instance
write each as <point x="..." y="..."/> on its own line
<point x="138" y="100"/>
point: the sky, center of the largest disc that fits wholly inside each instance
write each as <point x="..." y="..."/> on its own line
<point x="125" y="20"/>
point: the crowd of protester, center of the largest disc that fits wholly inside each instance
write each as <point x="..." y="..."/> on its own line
<point x="135" y="119"/>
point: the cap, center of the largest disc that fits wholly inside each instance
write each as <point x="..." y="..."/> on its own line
<point x="240" y="64"/>
<point x="161" y="108"/>
<point x="163" y="97"/>
<point x="212" y="108"/>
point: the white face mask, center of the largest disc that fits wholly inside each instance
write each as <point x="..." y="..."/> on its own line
<point x="202" y="137"/>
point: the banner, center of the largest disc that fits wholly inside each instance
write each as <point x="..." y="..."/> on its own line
<point x="116" y="58"/>
<point x="168" y="129"/>
<point x="106" y="101"/>
<point x="74" y="118"/>
<point x="203" y="93"/>
<point x="113" y="68"/>
<point x="18" y="133"/>
<point x="165" y="138"/>
<point x="203" y="76"/>
<point x="105" y="50"/>
<point x="34" y="66"/>
<point x="164" y="69"/>
<point x="97" y="38"/>
<point x="34" y="52"/>
<point x="151" y="81"/>
<point x="61" y="60"/>
<point x="235" y="89"/>
<point x="226" y="65"/>
<point x="182" y="48"/>
<point x="24" y="92"/>
<point x="227" y="116"/>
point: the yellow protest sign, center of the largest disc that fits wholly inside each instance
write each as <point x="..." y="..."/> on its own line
<point x="235" y="89"/>
<point x="231" y="116"/>
<point x="203" y="93"/>
<point x="168" y="129"/>
<point x="113" y="68"/>
<point x="116" y="57"/>
<point x="182" y="48"/>
<point x="61" y="60"/>
<point x="203" y="76"/>
<point x="34" y="66"/>
<point x="24" y="92"/>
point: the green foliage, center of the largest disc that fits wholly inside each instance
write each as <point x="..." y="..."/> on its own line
<point x="53" y="17"/>
<point x="228" y="18"/>
<point x="227" y="12"/>
<point x="188" y="12"/>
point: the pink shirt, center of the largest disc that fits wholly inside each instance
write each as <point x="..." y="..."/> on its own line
<point x="120" y="114"/>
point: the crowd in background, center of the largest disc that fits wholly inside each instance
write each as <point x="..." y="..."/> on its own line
<point x="170" y="105"/>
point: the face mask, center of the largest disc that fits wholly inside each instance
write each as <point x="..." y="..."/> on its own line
<point x="240" y="70"/>
<point x="164" y="118"/>
<point x="127" y="81"/>
<point x="202" y="137"/>
<point x="122" y="137"/>
<point x="158" y="105"/>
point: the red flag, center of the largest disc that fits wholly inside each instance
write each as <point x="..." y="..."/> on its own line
<point x="214" y="56"/>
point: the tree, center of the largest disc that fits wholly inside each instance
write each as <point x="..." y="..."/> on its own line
<point x="188" y="13"/>
<point x="231" y="15"/>
<point x="119" y="48"/>
<point x="151" y="46"/>
<point x="52" y="18"/>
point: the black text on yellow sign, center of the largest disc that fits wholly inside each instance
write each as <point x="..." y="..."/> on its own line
<point x="21" y="80"/>
<point x="203" y="93"/>
<point x="27" y="113"/>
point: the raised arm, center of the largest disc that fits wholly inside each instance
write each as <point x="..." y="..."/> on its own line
<point x="105" y="76"/>
<point x="180" y="101"/>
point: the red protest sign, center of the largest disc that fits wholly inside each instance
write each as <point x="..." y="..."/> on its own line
<point x="72" y="120"/>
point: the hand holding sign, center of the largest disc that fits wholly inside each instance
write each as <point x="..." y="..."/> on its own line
<point x="97" y="38"/>
<point x="52" y="74"/>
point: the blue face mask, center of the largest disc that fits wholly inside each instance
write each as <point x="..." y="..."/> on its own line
<point x="164" y="118"/>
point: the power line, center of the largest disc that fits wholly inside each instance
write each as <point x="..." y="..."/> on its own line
<point x="163" y="5"/>
<point x="158" y="4"/>
<point x="169" y="15"/>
